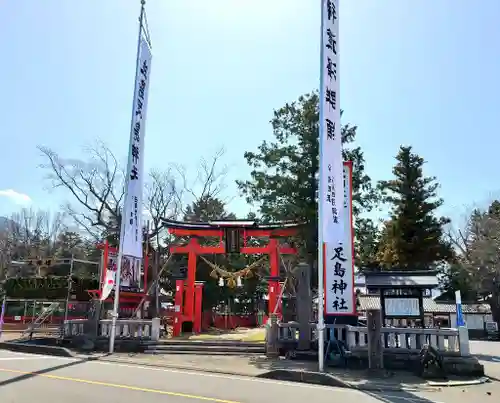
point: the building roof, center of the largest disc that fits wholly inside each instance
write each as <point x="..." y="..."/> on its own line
<point x="430" y="306"/>
<point x="229" y="223"/>
<point x="409" y="279"/>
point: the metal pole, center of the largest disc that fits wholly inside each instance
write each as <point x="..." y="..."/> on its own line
<point x="157" y="265"/>
<point x="157" y="300"/>
<point x="116" y="301"/>
<point x="2" y="314"/>
<point x="70" y="282"/>
<point x="321" y="323"/>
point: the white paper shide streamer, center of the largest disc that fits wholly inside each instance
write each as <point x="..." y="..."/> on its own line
<point x="331" y="168"/>
<point x="132" y="229"/>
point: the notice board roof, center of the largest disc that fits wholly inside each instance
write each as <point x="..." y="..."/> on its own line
<point x="401" y="279"/>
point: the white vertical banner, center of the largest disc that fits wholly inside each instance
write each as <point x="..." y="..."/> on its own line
<point x="331" y="169"/>
<point x="132" y="211"/>
<point x="340" y="297"/>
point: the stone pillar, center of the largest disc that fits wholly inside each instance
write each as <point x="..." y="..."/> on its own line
<point x="304" y="306"/>
<point x="91" y="327"/>
<point x="463" y="340"/>
<point x="272" y="350"/>
<point x="375" y="347"/>
<point x="155" y="329"/>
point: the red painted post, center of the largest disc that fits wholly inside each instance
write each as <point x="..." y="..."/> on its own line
<point x="178" y="311"/>
<point x="273" y="287"/>
<point x="191" y="277"/>
<point x="198" y="298"/>
<point x="105" y="263"/>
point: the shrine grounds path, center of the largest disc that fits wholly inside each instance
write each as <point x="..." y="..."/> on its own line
<point x="27" y="378"/>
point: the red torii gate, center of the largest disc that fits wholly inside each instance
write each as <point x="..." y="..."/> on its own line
<point x="230" y="234"/>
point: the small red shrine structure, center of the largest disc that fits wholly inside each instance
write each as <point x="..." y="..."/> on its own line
<point x="129" y="300"/>
<point x="233" y="237"/>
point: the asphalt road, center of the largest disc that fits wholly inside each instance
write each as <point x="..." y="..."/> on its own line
<point x="27" y="378"/>
<point x="48" y="379"/>
<point x="488" y="353"/>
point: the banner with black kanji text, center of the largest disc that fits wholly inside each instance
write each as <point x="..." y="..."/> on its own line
<point x="131" y="239"/>
<point x="330" y="170"/>
<point x="338" y="260"/>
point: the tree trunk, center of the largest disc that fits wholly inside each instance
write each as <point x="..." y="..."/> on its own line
<point x="495" y="306"/>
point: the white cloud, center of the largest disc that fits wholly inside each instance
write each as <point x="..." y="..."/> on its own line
<point x="16" y="197"/>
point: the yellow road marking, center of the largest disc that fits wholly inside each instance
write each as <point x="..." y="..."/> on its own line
<point x="118" y="386"/>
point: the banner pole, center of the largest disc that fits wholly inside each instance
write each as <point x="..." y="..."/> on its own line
<point x="116" y="302"/>
<point x="321" y="297"/>
<point x="2" y="314"/>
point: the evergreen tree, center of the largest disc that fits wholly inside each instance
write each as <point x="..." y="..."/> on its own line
<point x="207" y="208"/>
<point x="284" y="175"/>
<point x="455" y="278"/>
<point x="413" y="237"/>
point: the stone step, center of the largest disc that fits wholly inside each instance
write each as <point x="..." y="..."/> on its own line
<point x="206" y="343"/>
<point x="208" y="349"/>
<point x="203" y="352"/>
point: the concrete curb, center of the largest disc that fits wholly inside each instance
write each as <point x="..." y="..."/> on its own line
<point x="392" y="388"/>
<point x="479" y="381"/>
<point x="278" y="375"/>
<point x="315" y="378"/>
<point x="35" y="349"/>
<point x="318" y="378"/>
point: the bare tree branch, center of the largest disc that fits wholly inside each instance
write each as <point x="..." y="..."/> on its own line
<point x="479" y="243"/>
<point x="97" y="186"/>
<point x="163" y="198"/>
<point x="30" y="234"/>
<point x="209" y="181"/>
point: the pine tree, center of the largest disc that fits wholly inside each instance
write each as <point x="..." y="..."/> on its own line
<point x="283" y="183"/>
<point x="207" y="208"/>
<point x="413" y="237"/>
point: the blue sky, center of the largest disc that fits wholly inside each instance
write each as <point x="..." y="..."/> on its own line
<point x="422" y="73"/>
